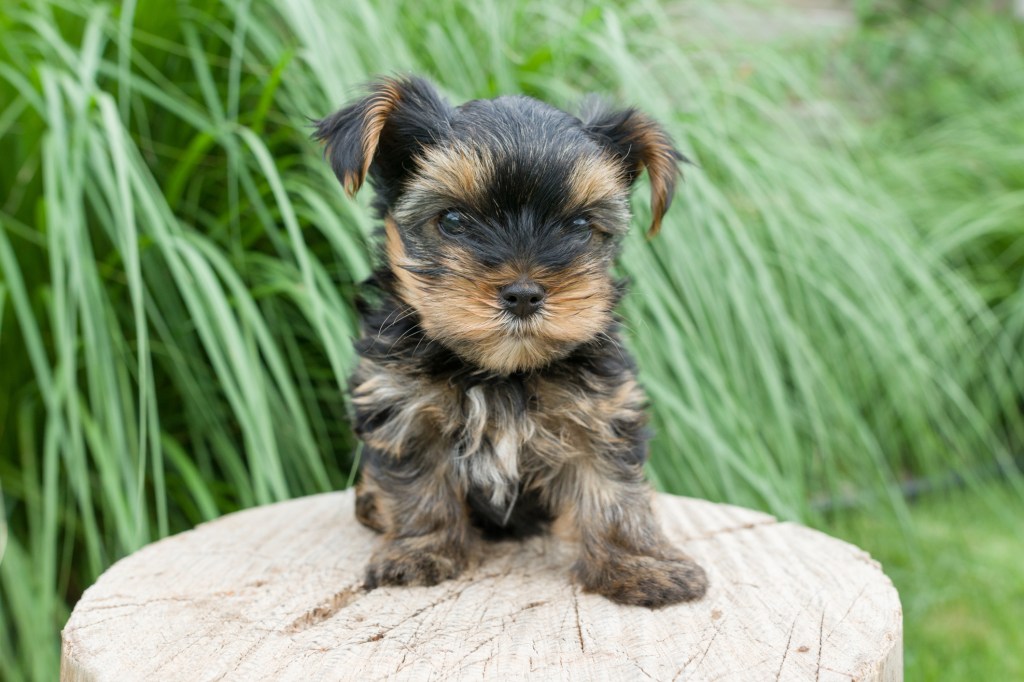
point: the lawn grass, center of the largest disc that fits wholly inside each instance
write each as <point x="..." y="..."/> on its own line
<point x="833" y="307"/>
<point x="957" y="568"/>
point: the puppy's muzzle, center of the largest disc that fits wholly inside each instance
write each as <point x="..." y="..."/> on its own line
<point x="522" y="298"/>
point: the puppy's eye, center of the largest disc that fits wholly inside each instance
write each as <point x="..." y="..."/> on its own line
<point x="581" y="229"/>
<point x="451" y="223"/>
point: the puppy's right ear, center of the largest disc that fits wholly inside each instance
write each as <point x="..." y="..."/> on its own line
<point x="379" y="134"/>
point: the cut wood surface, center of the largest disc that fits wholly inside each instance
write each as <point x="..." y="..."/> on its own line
<point x="274" y="593"/>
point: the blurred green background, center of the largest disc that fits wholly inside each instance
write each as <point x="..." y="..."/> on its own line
<point x="830" y="324"/>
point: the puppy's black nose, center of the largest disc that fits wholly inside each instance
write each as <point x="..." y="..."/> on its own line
<point x="522" y="298"/>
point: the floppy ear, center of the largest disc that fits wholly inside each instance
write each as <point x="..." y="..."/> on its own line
<point x="379" y="134"/>
<point x="638" y="142"/>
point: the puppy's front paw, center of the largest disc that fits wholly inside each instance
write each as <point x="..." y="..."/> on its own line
<point x="639" y="580"/>
<point x="403" y="562"/>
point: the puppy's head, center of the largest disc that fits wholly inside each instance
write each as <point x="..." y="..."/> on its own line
<point x="501" y="217"/>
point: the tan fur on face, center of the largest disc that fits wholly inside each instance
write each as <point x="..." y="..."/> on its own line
<point x="461" y="309"/>
<point x="455" y="171"/>
<point x="595" y="179"/>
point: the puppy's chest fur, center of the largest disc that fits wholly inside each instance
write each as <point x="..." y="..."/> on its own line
<point x="502" y="436"/>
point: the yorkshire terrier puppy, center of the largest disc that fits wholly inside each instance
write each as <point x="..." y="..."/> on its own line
<point x="493" y="394"/>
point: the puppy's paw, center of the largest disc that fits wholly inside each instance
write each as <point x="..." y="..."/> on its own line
<point x="639" y="580"/>
<point x="407" y="563"/>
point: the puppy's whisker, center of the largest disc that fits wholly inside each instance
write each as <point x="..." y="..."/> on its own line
<point x="405" y="334"/>
<point x="409" y="312"/>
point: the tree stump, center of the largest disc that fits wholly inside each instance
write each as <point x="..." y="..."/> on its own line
<point x="274" y="593"/>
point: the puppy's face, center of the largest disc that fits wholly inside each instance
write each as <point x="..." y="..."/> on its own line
<point x="503" y="235"/>
<point x="501" y="217"/>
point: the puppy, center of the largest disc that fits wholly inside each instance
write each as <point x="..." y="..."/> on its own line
<point x="493" y="394"/>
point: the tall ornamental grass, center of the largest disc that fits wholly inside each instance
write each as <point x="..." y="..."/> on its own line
<point x="178" y="266"/>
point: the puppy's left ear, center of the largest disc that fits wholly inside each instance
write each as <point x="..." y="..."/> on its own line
<point x="639" y="143"/>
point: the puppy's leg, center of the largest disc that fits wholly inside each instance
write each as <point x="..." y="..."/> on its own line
<point x="625" y="556"/>
<point x="367" y="510"/>
<point x="425" y="522"/>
